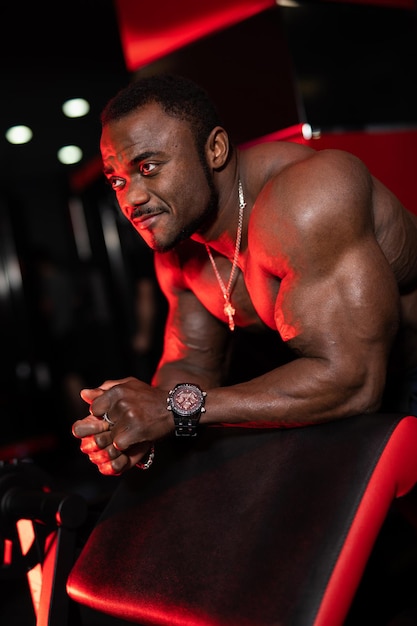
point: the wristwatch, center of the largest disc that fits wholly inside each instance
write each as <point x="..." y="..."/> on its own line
<point x="186" y="401"/>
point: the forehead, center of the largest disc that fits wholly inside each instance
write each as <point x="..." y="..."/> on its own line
<point x="146" y="130"/>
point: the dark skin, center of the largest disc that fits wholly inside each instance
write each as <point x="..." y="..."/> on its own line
<point x="328" y="260"/>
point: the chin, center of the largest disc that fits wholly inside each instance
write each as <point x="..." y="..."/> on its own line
<point x="160" y="246"/>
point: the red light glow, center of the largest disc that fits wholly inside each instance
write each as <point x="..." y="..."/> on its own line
<point x="149" y="36"/>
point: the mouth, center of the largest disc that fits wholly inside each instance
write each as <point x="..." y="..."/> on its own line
<point x="144" y="218"/>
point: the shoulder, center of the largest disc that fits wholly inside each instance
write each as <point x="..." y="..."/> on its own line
<point x="265" y="160"/>
<point x="285" y="167"/>
<point x="333" y="170"/>
<point x="322" y="198"/>
<point x="310" y="187"/>
<point x="328" y="173"/>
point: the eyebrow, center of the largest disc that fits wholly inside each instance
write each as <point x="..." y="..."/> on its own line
<point x="143" y="156"/>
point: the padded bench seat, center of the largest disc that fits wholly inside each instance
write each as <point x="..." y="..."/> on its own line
<point x="243" y="527"/>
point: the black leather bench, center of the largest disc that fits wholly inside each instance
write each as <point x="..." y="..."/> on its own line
<point x="248" y="527"/>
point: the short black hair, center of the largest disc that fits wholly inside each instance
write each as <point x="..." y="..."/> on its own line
<point x="178" y="96"/>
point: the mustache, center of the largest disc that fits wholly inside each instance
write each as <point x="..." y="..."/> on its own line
<point x="139" y="212"/>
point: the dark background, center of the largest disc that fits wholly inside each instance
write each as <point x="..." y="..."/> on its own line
<point x="68" y="290"/>
<point x="69" y="262"/>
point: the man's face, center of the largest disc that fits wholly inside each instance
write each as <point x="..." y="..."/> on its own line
<point x="161" y="185"/>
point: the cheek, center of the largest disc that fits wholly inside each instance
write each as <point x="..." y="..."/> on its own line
<point x="121" y="202"/>
<point x="124" y="211"/>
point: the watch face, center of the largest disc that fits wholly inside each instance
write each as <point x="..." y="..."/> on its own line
<point x="187" y="399"/>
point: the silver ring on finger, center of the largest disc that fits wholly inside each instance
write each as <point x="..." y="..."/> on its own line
<point x="107" y="419"/>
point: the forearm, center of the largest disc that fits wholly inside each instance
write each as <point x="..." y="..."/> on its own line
<point x="169" y="374"/>
<point x="305" y="391"/>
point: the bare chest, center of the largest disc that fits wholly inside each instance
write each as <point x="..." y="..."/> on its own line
<point x="252" y="295"/>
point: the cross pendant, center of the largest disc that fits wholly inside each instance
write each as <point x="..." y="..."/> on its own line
<point x="229" y="311"/>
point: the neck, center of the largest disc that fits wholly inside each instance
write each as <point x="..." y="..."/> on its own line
<point x="221" y="235"/>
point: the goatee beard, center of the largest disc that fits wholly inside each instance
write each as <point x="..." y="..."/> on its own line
<point x="200" y="223"/>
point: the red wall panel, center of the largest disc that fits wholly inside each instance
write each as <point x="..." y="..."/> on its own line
<point x="150" y="32"/>
<point x="391" y="155"/>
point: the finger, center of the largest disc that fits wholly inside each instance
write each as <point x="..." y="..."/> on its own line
<point x="121" y="463"/>
<point x="88" y="395"/>
<point x="130" y="440"/>
<point x="104" y="439"/>
<point x="90" y="425"/>
<point x="108" y="384"/>
<point x="115" y="467"/>
<point x="118" y="446"/>
<point x="137" y="453"/>
<point x="91" y="394"/>
<point x="99" y="456"/>
<point x="96" y="442"/>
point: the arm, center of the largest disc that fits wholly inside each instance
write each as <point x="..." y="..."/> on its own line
<point x="145" y="310"/>
<point x="196" y="344"/>
<point x="195" y="350"/>
<point x="337" y="305"/>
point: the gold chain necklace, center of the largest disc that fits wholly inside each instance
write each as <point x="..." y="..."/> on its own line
<point x="228" y="309"/>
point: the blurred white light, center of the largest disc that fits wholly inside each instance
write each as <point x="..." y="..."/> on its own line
<point x="76" y="107"/>
<point x="19" y="134"/>
<point x="287" y="3"/>
<point x="307" y="131"/>
<point x="70" y="154"/>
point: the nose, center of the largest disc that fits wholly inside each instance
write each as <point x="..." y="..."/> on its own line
<point x="133" y="195"/>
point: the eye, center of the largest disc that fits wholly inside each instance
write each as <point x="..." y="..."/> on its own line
<point x="147" y="168"/>
<point x="116" y="183"/>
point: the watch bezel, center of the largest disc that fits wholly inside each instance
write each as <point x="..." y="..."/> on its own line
<point x="178" y="410"/>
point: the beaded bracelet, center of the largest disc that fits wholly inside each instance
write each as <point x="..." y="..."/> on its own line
<point x="146" y="465"/>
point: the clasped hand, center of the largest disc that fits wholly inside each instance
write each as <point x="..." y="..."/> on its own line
<point x="139" y="416"/>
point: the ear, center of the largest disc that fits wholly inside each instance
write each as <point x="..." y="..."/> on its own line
<point x="217" y="148"/>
